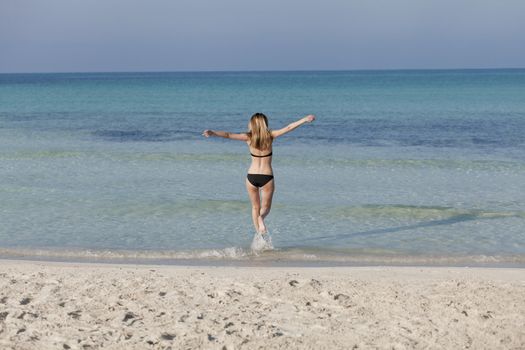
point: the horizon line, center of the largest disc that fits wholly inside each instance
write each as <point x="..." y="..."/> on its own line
<point x="265" y="70"/>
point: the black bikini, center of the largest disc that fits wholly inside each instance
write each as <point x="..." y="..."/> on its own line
<point x="259" y="180"/>
<point x="253" y="155"/>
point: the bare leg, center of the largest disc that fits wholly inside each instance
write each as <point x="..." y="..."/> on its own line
<point x="255" y="199"/>
<point x="267" y="196"/>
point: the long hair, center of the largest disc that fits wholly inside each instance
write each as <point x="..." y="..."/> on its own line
<point x="260" y="136"/>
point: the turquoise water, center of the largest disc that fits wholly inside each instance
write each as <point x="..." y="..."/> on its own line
<point x="400" y="166"/>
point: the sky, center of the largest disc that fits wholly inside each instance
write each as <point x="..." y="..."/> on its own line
<point x="237" y="35"/>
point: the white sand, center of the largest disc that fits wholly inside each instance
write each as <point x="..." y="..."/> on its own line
<point x="47" y="305"/>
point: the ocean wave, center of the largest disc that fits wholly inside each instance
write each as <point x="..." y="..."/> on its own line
<point x="122" y="156"/>
<point x="335" y="212"/>
<point x="145" y="135"/>
<point x="434" y="163"/>
<point x="111" y="254"/>
<point x="245" y="256"/>
<point x="402" y="163"/>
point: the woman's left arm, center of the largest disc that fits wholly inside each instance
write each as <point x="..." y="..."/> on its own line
<point x="225" y="134"/>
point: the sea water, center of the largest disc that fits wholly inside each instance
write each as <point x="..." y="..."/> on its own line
<point x="400" y="167"/>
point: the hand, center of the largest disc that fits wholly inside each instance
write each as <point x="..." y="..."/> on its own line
<point x="207" y="133"/>
<point x="309" y="118"/>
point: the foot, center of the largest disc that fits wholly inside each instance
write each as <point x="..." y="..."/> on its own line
<point x="262" y="227"/>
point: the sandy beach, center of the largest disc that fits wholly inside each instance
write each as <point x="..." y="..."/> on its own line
<point x="48" y="305"/>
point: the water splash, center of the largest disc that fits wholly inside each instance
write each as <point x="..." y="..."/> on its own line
<point x="261" y="242"/>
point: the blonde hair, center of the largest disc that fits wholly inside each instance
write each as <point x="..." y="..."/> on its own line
<point x="260" y="136"/>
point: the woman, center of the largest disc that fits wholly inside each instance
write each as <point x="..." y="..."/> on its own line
<point x="260" y="175"/>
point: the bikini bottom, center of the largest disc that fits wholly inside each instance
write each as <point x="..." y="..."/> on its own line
<point x="259" y="180"/>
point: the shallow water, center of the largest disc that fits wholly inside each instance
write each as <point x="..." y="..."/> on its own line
<point x="411" y="166"/>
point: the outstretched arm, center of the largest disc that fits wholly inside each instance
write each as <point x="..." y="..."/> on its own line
<point x="308" y="119"/>
<point x="225" y="134"/>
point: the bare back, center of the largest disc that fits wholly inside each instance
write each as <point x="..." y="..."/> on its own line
<point x="261" y="164"/>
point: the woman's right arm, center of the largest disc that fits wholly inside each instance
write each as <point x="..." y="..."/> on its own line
<point x="225" y="134"/>
<point x="308" y="119"/>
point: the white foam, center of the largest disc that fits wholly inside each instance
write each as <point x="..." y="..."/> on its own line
<point x="261" y="242"/>
<point x="231" y="252"/>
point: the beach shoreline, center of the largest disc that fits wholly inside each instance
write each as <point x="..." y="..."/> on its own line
<point x="72" y="305"/>
<point x="247" y="257"/>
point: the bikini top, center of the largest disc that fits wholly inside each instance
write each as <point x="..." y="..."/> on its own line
<point x="267" y="155"/>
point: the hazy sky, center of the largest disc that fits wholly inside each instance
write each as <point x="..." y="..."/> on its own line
<point x="171" y="35"/>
